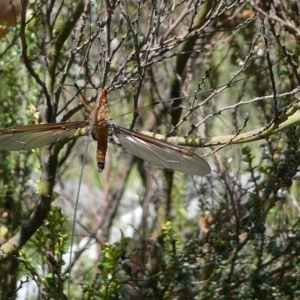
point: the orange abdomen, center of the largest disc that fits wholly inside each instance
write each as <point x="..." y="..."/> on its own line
<point x="102" y="136"/>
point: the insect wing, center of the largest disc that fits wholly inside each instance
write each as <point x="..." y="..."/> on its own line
<point x="164" y="156"/>
<point x="34" y="136"/>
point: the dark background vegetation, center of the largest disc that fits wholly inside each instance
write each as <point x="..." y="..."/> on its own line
<point x="226" y="76"/>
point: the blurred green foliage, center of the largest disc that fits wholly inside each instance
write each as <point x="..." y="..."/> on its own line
<point x="242" y="241"/>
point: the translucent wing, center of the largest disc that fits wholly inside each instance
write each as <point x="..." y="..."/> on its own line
<point x="34" y="136"/>
<point x="165" y="155"/>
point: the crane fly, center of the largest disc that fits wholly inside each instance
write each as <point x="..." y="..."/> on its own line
<point x="158" y="152"/>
